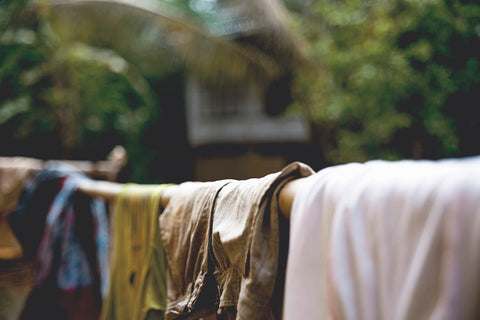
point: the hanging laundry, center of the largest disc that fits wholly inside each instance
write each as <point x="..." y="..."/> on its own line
<point x="66" y="233"/>
<point x="229" y="228"/>
<point x="16" y="283"/>
<point x="138" y="272"/>
<point x="185" y="226"/>
<point x="14" y="172"/>
<point x="386" y="240"/>
<point x="16" y="277"/>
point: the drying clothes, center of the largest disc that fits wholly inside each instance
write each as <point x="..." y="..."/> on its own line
<point x="185" y="226"/>
<point x="386" y="240"/>
<point x="68" y="221"/>
<point x="14" y="172"/>
<point x="29" y="218"/>
<point x="138" y="273"/>
<point x="233" y="227"/>
<point x="246" y="243"/>
<point x="16" y="283"/>
<point x="66" y="233"/>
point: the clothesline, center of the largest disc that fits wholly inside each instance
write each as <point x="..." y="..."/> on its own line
<point x="9" y="247"/>
<point x="116" y="160"/>
<point x="109" y="190"/>
<point x="108" y="168"/>
<point x="69" y="235"/>
<point x="13" y="170"/>
<point x="350" y="224"/>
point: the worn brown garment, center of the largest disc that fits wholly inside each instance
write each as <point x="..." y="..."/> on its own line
<point x="184" y="228"/>
<point x="245" y="245"/>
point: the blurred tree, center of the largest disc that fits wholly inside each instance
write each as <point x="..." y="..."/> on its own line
<point x="77" y="76"/>
<point x="67" y="100"/>
<point x="386" y="79"/>
<point x="206" y="36"/>
<point x="391" y="78"/>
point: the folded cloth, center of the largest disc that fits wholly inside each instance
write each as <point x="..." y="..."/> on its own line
<point x="386" y="240"/>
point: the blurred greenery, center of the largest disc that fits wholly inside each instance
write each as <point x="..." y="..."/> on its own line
<point x="391" y="79"/>
<point x="385" y="79"/>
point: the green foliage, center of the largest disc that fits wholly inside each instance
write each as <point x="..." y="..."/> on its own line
<point x="78" y="77"/>
<point x="386" y="78"/>
<point x="69" y="100"/>
<point x="391" y="79"/>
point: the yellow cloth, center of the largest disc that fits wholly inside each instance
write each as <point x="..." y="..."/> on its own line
<point x="138" y="272"/>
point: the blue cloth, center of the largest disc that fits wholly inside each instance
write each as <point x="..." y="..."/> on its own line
<point x="65" y="235"/>
<point x="65" y="231"/>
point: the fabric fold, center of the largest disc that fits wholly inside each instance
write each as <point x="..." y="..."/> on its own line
<point x="386" y="240"/>
<point x="246" y="240"/>
<point x="185" y="228"/>
<point x="138" y="273"/>
<point x="235" y="225"/>
<point x="66" y="234"/>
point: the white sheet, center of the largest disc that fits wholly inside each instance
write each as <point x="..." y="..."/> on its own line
<point x="386" y="240"/>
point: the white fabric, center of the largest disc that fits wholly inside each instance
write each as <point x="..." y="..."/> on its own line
<point x="386" y="240"/>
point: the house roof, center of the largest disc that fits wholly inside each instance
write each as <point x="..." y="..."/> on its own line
<point x="215" y="38"/>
